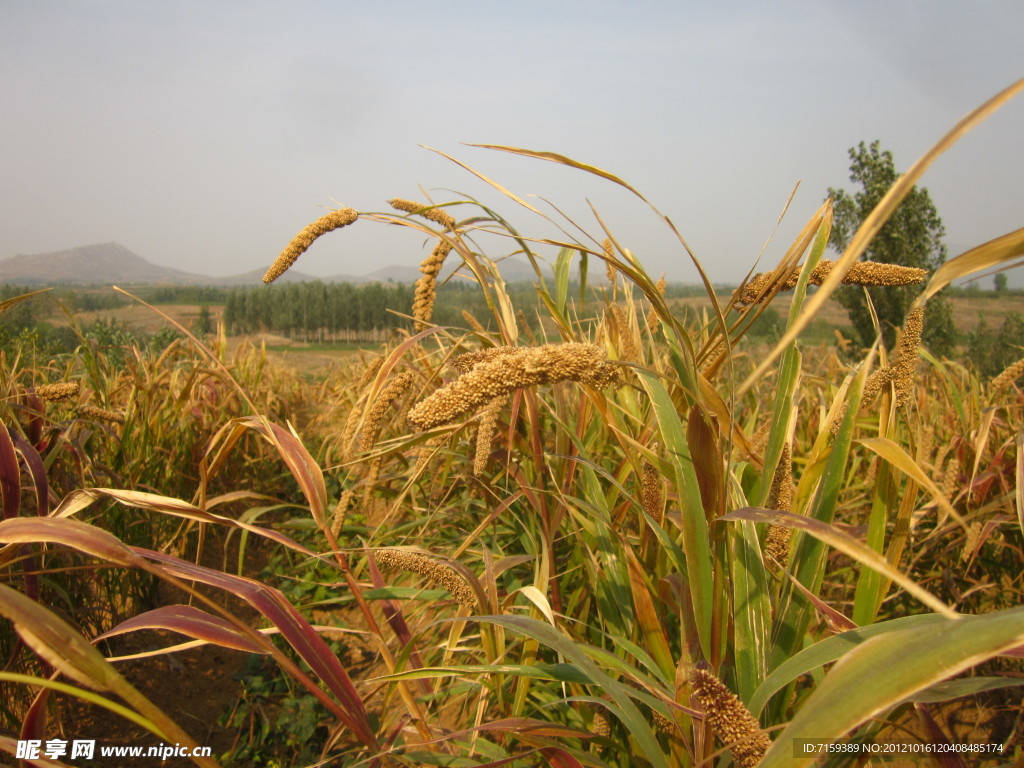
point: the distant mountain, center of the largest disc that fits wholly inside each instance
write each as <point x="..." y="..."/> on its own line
<point x="100" y="263"/>
<point x="113" y="264"/>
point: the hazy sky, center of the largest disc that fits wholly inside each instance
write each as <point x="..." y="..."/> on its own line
<point x="203" y="135"/>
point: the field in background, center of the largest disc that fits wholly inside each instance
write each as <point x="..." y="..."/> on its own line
<point x="309" y="358"/>
<point x="315" y="359"/>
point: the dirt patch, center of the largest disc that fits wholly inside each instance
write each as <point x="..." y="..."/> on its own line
<point x="195" y="688"/>
<point x="143" y="318"/>
<point x="968" y="311"/>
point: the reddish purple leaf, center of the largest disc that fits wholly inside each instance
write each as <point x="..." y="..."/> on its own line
<point x="10" y="475"/>
<point x="837" y="622"/>
<point x="935" y="735"/>
<point x="34" y="462"/>
<point x="559" y="758"/>
<point x="189" y="620"/>
<point x="530" y="726"/>
<point x="302" y="465"/>
<point x="267" y="600"/>
<point x="35" y="408"/>
<point x="1016" y="653"/>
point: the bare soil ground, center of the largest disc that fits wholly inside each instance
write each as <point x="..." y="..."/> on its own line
<point x="968" y="311"/>
<point x="143" y="318"/>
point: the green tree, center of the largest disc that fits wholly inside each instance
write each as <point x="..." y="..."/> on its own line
<point x="912" y="238"/>
<point x="1000" y="281"/>
<point x="204" y="323"/>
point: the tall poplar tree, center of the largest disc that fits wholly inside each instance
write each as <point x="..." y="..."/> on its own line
<point x="912" y="238"/>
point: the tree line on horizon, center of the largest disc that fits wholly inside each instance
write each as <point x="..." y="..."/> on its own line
<point x="315" y="310"/>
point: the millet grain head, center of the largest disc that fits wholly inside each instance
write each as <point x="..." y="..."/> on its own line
<point x="100" y="414"/>
<point x="780" y="497"/>
<point x="609" y="252"/>
<point x="429" y="212"/>
<point x="465" y="362"/>
<point x="380" y="406"/>
<point x="485" y="432"/>
<point x="439" y="573"/>
<point x="735" y="727"/>
<point x="426" y="287"/>
<point x="651" y="496"/>
<point x="472" y="322"/>
<point x="624" y="334"/>
<point x="301" y="242"/>
<point x="1009" y="375"/>
<point x="899" y="373"/>
<point x="524" y="326"/>
<point x="865" y="273"/>
<point x="341" y="511"/>
<point x="352" y="421"/>
<point x="652" y="313"/>
<point x="62" y="390"/>
<point x="906" y="356"/>
<point x="600" y="725"/>
<point x="547" y="364"/>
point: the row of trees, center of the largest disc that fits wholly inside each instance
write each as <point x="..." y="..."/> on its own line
<point x="315" y="311"/>
<point x="319" y="311"/>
